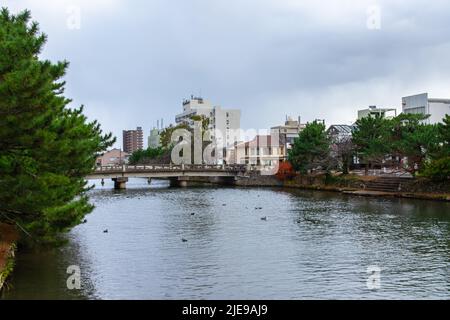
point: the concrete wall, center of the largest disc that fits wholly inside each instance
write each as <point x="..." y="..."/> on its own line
<point x="438" y="110"/>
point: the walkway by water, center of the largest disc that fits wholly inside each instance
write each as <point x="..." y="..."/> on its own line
<point x="311" y="245"/>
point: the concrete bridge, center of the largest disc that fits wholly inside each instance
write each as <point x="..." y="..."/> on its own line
<point x="179" y="175"/>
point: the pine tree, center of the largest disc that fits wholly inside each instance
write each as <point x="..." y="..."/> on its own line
<point x="438" y="168"/>
<point x="371" y="138"/>
<point x="311" y="148"/>
<point x="413" y="139"/>
<point x="46" y="148"/>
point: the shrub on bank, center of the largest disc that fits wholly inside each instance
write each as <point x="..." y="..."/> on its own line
<point x="438" y="170"/>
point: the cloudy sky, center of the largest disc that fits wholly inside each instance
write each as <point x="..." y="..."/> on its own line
<point x="133" y="61"/>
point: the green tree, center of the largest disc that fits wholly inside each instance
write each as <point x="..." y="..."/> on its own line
<point x="148" y="155"/>
<point x="443" y="149"/>
<point x="414" y="140"/>
<point x="438" y="168"/>
<point x="371" y="138"/>
<point x="46" y="148"/>
<point x="166" y="135"/>
<point x="204" y="123"/>
<point x="310" y="149"/>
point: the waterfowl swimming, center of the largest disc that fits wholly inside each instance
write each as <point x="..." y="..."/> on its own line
<point x="311" y="220"/>
<point x="105" y="231"/>
<point x="184" y="240"/>
<point x="264" y="218"/>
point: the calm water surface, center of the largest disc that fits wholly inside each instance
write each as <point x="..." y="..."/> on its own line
<point x="312" y="245"/>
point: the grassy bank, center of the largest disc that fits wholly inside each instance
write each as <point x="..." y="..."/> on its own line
<point x="8" y="238"/>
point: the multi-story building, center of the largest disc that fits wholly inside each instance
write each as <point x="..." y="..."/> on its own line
<point x="132" y="140"/>
<point x="154" y="140"/>
<point x="288" y="132"/>
<point x="112" y="157"/>
<point x="422" y="104"/>
<point x="224" y="124"/>
<point x="373" y="111"/>
<point x="261" y="151"/>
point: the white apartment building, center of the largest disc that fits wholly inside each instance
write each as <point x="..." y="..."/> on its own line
<point x="422" y="104"/>
<point x="224" y="124"/>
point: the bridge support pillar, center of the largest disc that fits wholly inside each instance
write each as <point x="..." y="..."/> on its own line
<point x="120" y="182"/>
<point x="179" y="182"/>
<point x="182" y="183"/>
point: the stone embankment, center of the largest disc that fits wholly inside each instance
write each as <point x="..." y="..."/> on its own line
<point x="419" y="188"/>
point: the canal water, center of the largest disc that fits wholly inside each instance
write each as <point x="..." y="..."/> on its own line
<point x="310" y="245"/>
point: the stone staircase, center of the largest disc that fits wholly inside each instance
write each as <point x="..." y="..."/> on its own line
<point x="386" y="184"/>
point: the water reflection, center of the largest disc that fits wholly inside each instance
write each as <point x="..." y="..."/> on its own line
<point x="312" y="245"/>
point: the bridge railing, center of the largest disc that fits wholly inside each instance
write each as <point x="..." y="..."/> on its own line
<point x="171" y="167"/>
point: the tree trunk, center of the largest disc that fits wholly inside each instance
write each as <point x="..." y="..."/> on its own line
<point x="345" y="165"/>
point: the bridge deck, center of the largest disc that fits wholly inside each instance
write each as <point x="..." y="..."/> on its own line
<point x="166" y="171"/>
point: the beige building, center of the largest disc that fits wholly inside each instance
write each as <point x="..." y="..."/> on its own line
<point x="288" y="132"/>
<point x="260" y="151"/>
<point x="112" y="157"/>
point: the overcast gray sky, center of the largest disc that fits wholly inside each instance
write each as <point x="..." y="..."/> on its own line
<point x="133" y="61"/>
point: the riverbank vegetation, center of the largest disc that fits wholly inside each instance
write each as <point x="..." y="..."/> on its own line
<point x="405" y="143"/>
<point x="150" y="155"/>
<point x="46" y="148"/>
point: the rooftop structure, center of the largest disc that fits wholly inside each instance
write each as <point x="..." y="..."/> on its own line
<point x="373" y="111"/>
